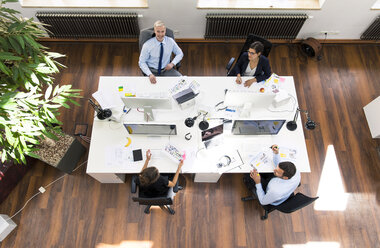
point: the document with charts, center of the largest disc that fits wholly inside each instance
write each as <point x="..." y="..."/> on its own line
<point x="262" y="160"/>
<point x="184" y="83"/>
<point x="288" y="154"/>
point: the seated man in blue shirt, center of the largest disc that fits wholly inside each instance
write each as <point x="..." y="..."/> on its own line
<point x="276" y="188"/>
<point x="156" y="54"/>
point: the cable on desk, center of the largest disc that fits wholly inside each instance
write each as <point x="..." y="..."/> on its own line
<point x="217" y="105"/>
<point x="118" y="125"/>
<point x="196" y="154"/>
<point x="170" y="133"/>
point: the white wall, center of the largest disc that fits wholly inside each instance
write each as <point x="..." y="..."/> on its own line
<point x="349" y="17"/>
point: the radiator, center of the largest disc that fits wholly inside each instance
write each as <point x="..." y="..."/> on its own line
<point x="373" y="31"/>
<point x="90" y="24"/>
<point x="238" y="26"/>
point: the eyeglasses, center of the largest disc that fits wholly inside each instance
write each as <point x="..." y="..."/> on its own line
<point x="251" y="53"/>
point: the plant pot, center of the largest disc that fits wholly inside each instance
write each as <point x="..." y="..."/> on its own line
<point x="63" y="154"/>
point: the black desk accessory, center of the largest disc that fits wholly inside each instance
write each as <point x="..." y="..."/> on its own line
<point x="137" y="155"/>
<point x="292" y="125"/>
<point x="189" y="122"/>
<point x="188" y="136"/>
<point x="102" y="114"/>
<point x="203" y="125"/>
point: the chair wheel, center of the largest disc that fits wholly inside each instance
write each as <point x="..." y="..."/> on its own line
<point x="264" y="217"/>
<point x="247" y="198"/>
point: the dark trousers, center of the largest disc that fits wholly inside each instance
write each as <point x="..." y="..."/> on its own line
<point x="251" y="185"/>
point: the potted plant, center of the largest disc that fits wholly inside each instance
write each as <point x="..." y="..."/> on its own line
<point x="29" y="99"/>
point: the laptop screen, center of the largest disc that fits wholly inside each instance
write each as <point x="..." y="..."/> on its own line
<point x="212" y="132"/>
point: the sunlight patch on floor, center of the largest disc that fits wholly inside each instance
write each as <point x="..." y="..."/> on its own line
<point x="314" y="244"/>
<point x="331" y="192"/>
<point x="128" y="244"/>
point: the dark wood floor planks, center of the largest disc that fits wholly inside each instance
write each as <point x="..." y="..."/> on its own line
<point x="77" y="211"/>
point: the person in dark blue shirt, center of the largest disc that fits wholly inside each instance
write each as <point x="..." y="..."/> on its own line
<point x="252" y="64"/>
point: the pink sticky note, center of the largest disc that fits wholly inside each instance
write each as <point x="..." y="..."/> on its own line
<point x="184" y="156"/>
<point x="282" y="80"/>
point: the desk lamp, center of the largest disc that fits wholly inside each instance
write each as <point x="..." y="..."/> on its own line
<point x="100" y="113"/>
<point x="292" y="125"/>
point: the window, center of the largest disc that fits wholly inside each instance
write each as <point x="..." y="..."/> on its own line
<point x="260" y="4"/>
<point x="376" y="5"/>
<point x="85" y="3"/>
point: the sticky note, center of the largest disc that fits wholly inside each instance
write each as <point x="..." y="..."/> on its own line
<point x="120" y="88"/>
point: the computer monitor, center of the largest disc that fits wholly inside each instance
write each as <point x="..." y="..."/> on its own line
<point x="147" y="103"/>
<point x="257" y="127"/>
<point x="151" y="128"/>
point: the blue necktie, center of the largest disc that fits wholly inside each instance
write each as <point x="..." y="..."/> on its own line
<point x="160" y="61"/>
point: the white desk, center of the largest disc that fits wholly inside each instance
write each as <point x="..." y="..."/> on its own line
<point x="107" y="135"/>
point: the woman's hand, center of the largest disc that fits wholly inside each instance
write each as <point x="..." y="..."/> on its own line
<point x="180" y="164"/>
<point x="238" y="79"/>
<point x="249" y="82"/>
<point x="148" y="154"/>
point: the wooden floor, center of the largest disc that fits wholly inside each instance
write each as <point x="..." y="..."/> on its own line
<point x="77" y="211"/>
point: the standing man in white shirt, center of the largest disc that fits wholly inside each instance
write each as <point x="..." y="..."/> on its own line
<point x="156" y="54"/>
<point x="282" y="183"/>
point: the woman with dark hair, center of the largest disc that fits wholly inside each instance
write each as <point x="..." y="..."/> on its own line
<point x="252" y="63"/>
<point x="152" y="184"/>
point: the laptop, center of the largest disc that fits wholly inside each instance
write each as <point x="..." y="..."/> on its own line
<point x="212" y="136"/>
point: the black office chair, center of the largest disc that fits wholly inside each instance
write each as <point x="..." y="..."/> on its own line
<point x="148" y="33"/>
<point x="293" y="203"/>
<point x="162" y="201"/>
<point x="250" y="39"/>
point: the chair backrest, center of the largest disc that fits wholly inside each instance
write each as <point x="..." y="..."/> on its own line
<point x="144" y="200"/>
<point x="148" y="33"/>
<point x="250" y="39"/>
<point x="153" y="201"/>
<point x="295" y="203"/>
<point x="267" y="44"/>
